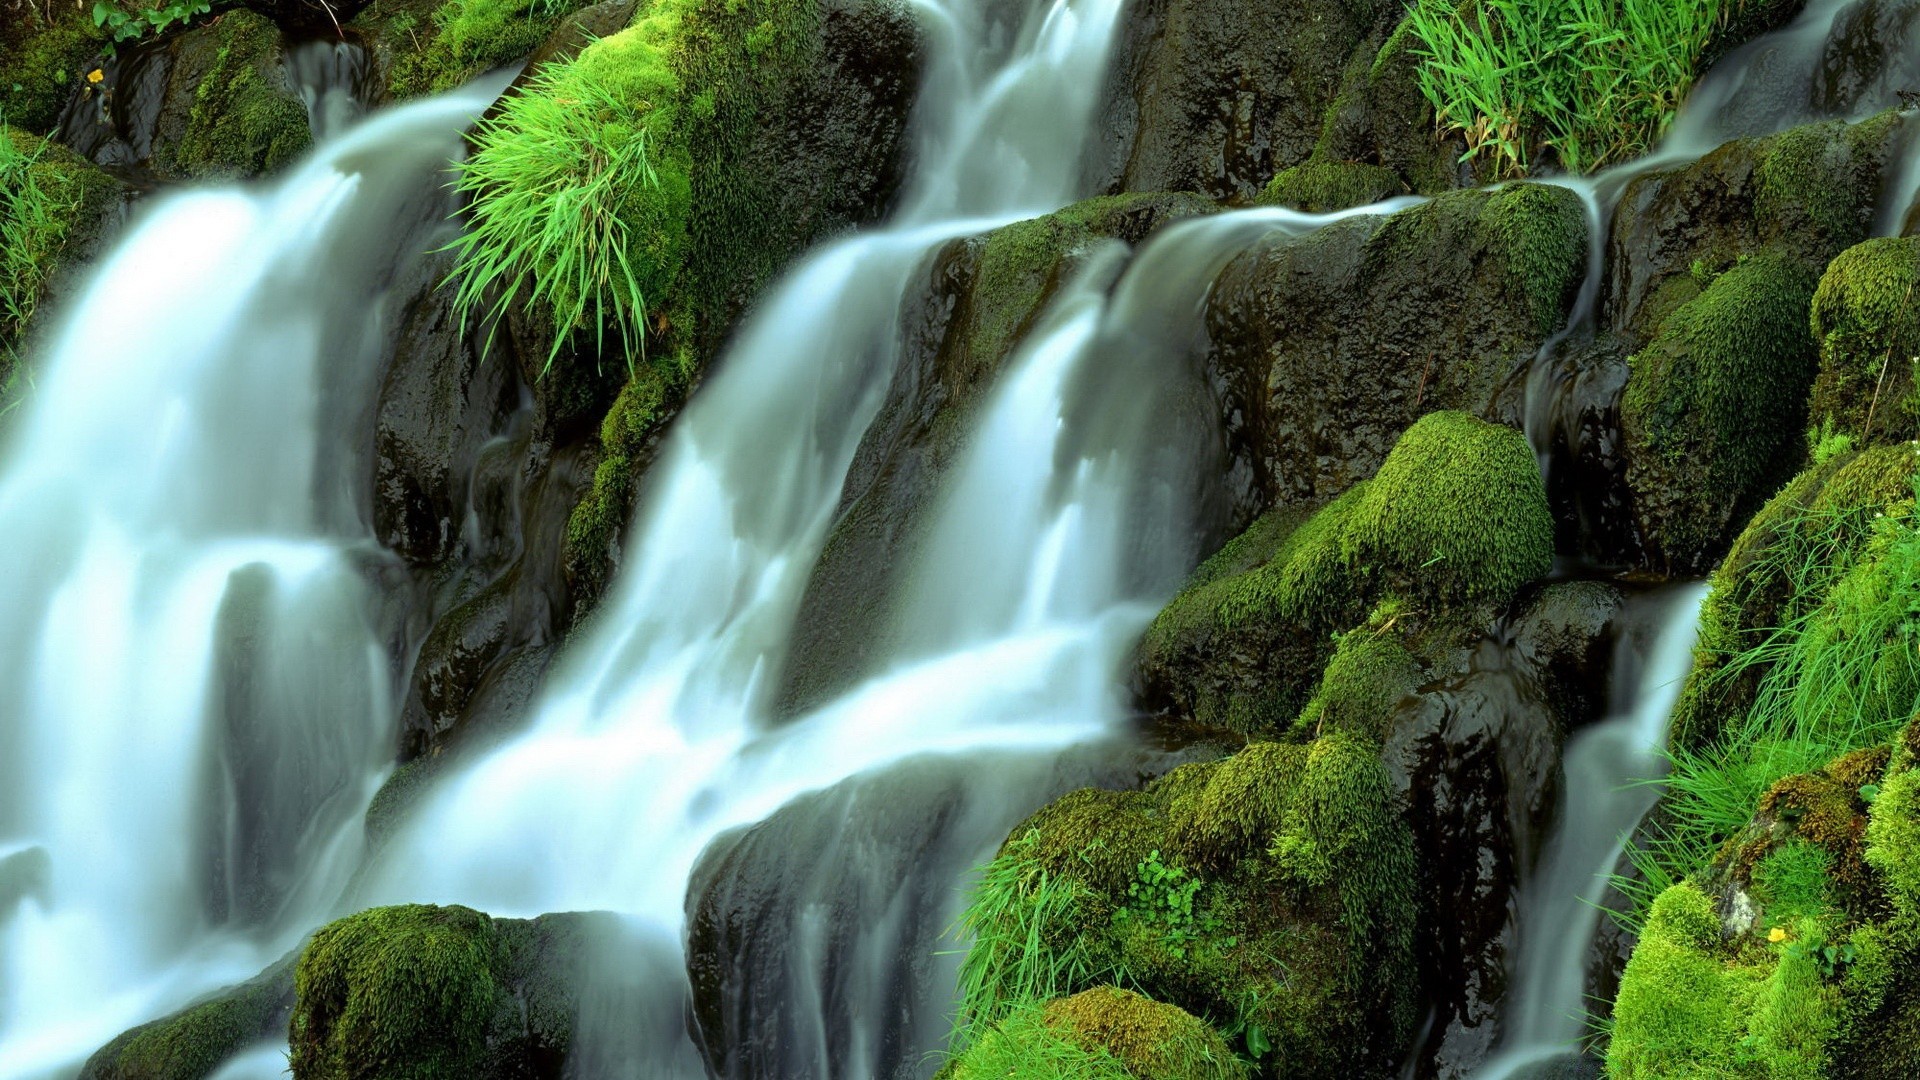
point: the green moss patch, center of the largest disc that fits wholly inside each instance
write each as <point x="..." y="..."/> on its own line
<point x="44" y="57"/>
<point x="1863" y="319"/>
<point x="195" y="1042"/>
<point x="1714" y="405"/>
<point x="1322" y="187"/>
<point x="243" y="120"/>
<point x="51" y="202"/>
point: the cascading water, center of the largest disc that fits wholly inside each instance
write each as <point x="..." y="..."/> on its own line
<point x="193" y="693"/>
<point x="1602" y="801"/>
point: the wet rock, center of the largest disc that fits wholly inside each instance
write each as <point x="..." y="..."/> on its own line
<point x="1328" y="345"/>
<point x="421" y="47"/>
<point x="193" y="1043"/>
<point x="307" y="16"/>
<point x="45" y="52"/>
<point x="1217" y="97"/>
<point x="1869" y="58"/>
<point x="1578" y="392"/>
<point x="981" y="296"/>
<point x="212" y="103"/>
<point x="1810" y="192"/>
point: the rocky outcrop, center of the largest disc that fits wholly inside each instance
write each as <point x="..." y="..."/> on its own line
<point x="193" y="1043"/>
<point x="1327" y="346"/>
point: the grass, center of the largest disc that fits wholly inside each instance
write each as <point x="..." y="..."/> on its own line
<point x="1841" y="674"/>
<point x="579" y="193"/>
<point x="33" y="219"/>
<point x="1590" y="81"/>
<point x="1015" y="921"/>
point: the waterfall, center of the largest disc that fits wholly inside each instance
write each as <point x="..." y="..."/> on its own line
<point x="195" y="702"/>
<point x="1605" y="795"/>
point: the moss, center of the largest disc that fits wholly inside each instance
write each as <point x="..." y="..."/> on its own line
<point x="1322" y="187"/>
<point x="1714" y="405"/>
<point x="1370" y="673"/>
<point x="1535" y="228"/>
<point x="397" y="993"/>
<point x="627" y="435"/>
<point x="51" y="202"/>
<point x="1820" y="182"/>
<point x="1153" y="1041"/>
<point x="1457" y="513"/>
<point x="1024" y="1046"/>
<point x="439" y="45"/>
<point x="1863" y="320"/>
<point x="42" y="60"/>
<point x="1893" y="839"/>
<point x="1231" y="811"/>
<point x="243" y="120"/>
<point x="193" y="1043"/>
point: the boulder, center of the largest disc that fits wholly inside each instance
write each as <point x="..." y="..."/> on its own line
<point x="1326" y="346"/>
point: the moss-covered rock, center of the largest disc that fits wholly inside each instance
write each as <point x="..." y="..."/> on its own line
<point x="1329" y="345"/>
<point x="54" y="208"/>
<point x="1456" y="518"/>
<point x="1864" y="322"/>
<point x="1809" y="193"/>
<point x="431" y="992"/>
<point x="1779" y="571"/>
<point x="1277" y="897"/>
<point x="1322" y="187"/>
<point x="1105" y="1032"/>
<point x="432" y="46"/>
<point x="45" y="52"/>
<point x="1714" y="406"/>
<point x="194" y="1042"/>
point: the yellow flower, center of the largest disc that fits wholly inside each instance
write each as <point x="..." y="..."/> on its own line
<point x="96" y="76"/>
<point x="1777" y="935"/>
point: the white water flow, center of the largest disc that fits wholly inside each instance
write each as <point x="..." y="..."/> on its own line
<point x="654" y="735"/>
<point x="1602" y="800"/>
<point x="194" y="704"/>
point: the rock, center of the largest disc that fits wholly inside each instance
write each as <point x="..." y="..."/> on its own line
<point x="1869" y="339"/>
<point x="1810" y="192"/>
<point x="981" y="297"/>
<point x="1821" y="522"/>
<point x="1713" y="410"/>
<point x="424" y="47"/>
<point x="1217" y="97"/>
<point x="1327" y="346"/>
<point x="1577" y="391"/>
<point x="1242" y="643"/>
<point x="307" y="16"/>
<point x="512" y="997"/>
<point x="1869" y="58"/>
<point x="1148" y="1039"/>
<point x="211" y="103"/>
<point x="1377" y="139"/>
<point x="193" y="1043"/>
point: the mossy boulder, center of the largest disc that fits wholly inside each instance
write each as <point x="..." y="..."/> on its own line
<point x="1714" y="406"/>
<point x="980" y="297"/>
<point x="55" y="209"/>
<point x="1780" y="570"/>
<point x="1104" y="1033"/>
<point x="194" y="1042"/>
<point x="429" y="992"/>
<point x="423" y="47"/>
<point x="1275" y="894"/>
<point x="1864" y="322"/>
<point x="1808" y="193"/>
<point x="1322" y="187"/>
<point x="1328" y="345"/>
<point x="1791" y="954"/>
<point x="1218" y="97"/>
<point x="1456" y="519"/>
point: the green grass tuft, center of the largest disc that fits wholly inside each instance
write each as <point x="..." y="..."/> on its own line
<point x="1592" y="81"/>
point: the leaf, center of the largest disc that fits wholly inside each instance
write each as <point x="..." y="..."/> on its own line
<point x="100" y="12"/>
<point x="1257" y="1043"/>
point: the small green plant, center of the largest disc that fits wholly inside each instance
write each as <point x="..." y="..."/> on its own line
<point x="1163" y="896"/>
<point x="131" y="26"/>
<point x="1595" y="81"/>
